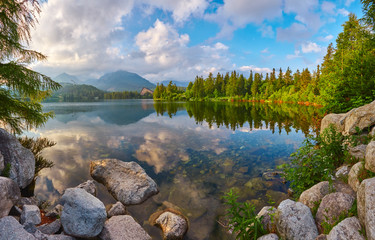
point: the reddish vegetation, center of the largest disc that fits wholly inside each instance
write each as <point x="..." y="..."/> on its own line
<point x="45" y="219"/>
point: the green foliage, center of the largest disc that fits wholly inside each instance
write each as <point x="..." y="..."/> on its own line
<point x="316" y="160"/>
<point x="36" y="146"/>
<point x="21" y="89"/>
<point x="243" y="218"/>
<point x="6" y="170"/>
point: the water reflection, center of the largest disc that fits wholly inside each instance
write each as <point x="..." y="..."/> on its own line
<point x="193" y="164"/>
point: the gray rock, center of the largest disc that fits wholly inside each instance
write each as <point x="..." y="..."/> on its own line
<point x="126" y="181"/>
<point x="336" y="119"/>
<point x="294" y="221"/>
<point x="174" y="226"/>
<point x="60" y="237"/>
<point x="123" y="227"/>
<point x="315" y="194"/>
<point x="358" y="151"/>
<point x="55" y="212"/>
<point x="349" y="228"/>
<point x="21" y="160"/>
<point x="339" y="186"/>
<point x="372" y="132"/>
<point x="370" y="157"/>
<point x="332" y="206"/>
<point x="362" y="117"/>
<point x="268" y="219"/>
<point x="1" y="163"/>
<point x="270" y="236"/>
<point x="366" y="206"/>
<point x="342" y="172"/>
<point x="50" y="228"/>
<point x="83" y="214"/>
<point x="353" y="180"/>
<point x="321" y="237"/>
<point x="89" y="186"/>
<point x="27" y="201"/>
<point x="116" y="209"/>
<point x="30" y="214"/>
<point x="39" y="235"/>
<point x="9" y="195"/>
<point x="11" y="229"/>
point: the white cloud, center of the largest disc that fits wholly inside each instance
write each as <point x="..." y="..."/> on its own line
<point x="343" y="12"/>
<point x="294" y="32"/>
<point x="264" y="50"/>
<point x="348" y="2"/>
<point x="326" y="38"/>
<point x="267" y="31"/>
<point x="255" y="69"/>
<point x="328" y="7"/>
<point x="295" y="55"/>
<point x="235" y="14"/>
<point x="310" y="47"/>
<point x="181" y="9"/>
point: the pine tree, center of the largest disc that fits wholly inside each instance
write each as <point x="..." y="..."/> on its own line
<point x="21" y="89"/>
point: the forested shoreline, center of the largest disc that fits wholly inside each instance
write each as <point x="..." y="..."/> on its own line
<point x="344" y="80"/>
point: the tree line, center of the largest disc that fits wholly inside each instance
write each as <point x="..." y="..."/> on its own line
<point x="345" y="79"/>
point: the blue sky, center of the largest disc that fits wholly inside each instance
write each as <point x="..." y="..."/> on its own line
<point x="177" y="40"/>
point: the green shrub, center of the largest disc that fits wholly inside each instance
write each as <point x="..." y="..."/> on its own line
<point x="316" y="160"/>
<point x="6" y="171"/>
<point x="243" y="218"/>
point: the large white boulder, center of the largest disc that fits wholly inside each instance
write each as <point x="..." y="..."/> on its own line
<point x="10" y="228"/>
<point x="354" y="172"/>
<point x="348" y="228"/>
<point x="9" y="195"/>
<point x="21" y="160"/>
<point x="337" y="120"/>
<point x="294" y="221"/>
<point x="83" y="214"/>
<point x="315" y="194"/>
<point x="362" y="117"/>
<point x="126" y="181"/>
<point x="366" y="206"/>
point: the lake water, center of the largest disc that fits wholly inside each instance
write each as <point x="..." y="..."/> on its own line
<point x="194" y="151"/>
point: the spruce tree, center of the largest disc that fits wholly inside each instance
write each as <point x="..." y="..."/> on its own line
<point x="21" y="88"/>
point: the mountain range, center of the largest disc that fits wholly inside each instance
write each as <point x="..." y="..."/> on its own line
<point x="114" y="81"/>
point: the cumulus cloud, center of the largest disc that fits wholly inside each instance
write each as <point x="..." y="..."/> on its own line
<point x="267" y="31"/>
<point x="255" y="69"/>
<point x="297" y="54"/>
<point x="326" y="38"/>
<point x="343" y="12"/>
<point x="328" y="7"/>
<point x="235" y="14"/>
<point x="309" y="47"/>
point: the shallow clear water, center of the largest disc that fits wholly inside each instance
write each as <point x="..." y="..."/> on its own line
<point x="194" y="151"/>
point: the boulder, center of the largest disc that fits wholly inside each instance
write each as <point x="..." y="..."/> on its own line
<point x="9" y="195"/>
<point x="50" y="228"/>
<point x="126" y="181"/>
<point x="339" y="186"/>
<point x="353" y="180"/>
<point x="362" y="117"/>
<point x="83" y="214"/>
<point x="295" y="221"/>
<point x="123" y="227"/>
<point x="349" y="228"/>
<point x="116" y="209"/>
<point x="270" y="236"/>
<point x="370" y="157"/>
<point x="268" y="218"/>
<point x="315" y="194"/>
<point x="21" y="160"/>
<point x="173" y="225"/>
<point x="10" y="228"/>
<point x="2" y="165"/>
<point x="342" y="172"/>
<point x="27" y="201"/>
<point x="366" y="206"/>
<point x="30" y="214"/>
<point x="321" y="237"/>
<point x="336" y="119"/>
<point x="89" y="186"/>
<point x="358" y="151"/>
<point x="372" y="132"/>
<point x="60" y="237"/>
<point x="332" y="206"/>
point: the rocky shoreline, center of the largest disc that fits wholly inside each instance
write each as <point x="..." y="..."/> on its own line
<point x="81" y="215"/>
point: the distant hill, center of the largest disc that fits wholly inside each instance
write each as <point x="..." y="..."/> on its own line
<point x="122" y="81"/>
<point x="178" y="83"/>
<point x="76" y="93"/>
<point x="66" y="78"/>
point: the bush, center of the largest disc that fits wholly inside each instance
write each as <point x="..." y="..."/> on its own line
<point x="243" y="219"/>
<point x="316" y="160"/>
